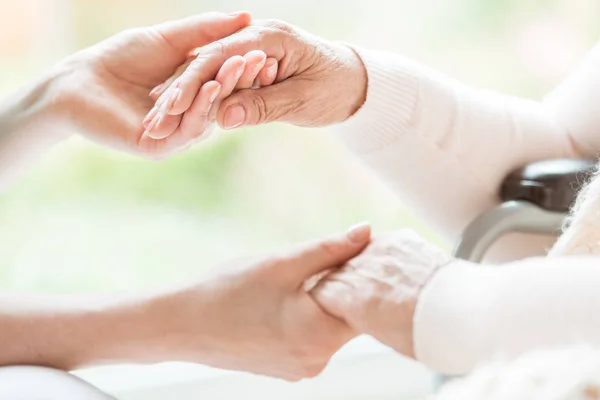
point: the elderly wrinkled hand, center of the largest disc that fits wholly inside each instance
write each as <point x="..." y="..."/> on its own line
<point x="376" y="293"/>
<point x="316" y="82"/>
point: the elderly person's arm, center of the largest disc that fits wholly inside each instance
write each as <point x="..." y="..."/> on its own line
<point x="454" y="315"/>
<point x="443" y="146"/>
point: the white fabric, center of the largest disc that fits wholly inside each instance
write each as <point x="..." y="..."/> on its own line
<point x="444" y="148"/>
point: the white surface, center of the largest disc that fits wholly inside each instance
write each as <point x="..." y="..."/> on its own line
<point x="363" y="369"/>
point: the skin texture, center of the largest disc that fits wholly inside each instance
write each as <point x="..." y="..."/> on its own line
<point x="377" y="292"/>
<point x="237" y="73"/>
<point x="318" y="82"/>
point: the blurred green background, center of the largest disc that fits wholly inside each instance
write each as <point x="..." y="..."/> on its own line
<point x="90" y="219"/>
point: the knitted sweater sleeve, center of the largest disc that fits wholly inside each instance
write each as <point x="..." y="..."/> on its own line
<point x="444" y="147"/>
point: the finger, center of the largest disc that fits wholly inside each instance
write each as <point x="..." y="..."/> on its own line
<point x="160" y="149"/>
<point x="268" y="74"/>
<point x="160" y="89"/>
<point x="188" y="33"/>
<point x="255" y="61"/>
<point x="162" y="125"/>
<point x="228" y="76"/>
<point x="259" y="106"/>
<point x="212" y="56"/>
<point x="150" y="117"/>
<point x="331" y="252"/>
<point x="195" y="120"/>
<point x="335" y="295"/>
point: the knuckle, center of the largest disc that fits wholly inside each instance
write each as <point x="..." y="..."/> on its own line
<point x="219" y="48"/>
<point x="329" y="248"/>
<point x="262" y="112"/>
<point x="279" y="25"/>
<point x="216" y="49"/>
<point x="194" y="67"/>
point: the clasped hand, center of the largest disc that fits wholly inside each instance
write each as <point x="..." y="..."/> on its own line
<point x="258" y="316"/>
<point x="255" y="316"/>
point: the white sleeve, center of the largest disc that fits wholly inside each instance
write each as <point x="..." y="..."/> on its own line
<point x="445" y="147"/>
<point x="467" y="314"/>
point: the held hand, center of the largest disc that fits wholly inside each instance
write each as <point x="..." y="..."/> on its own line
<point x="257" y="317"/>
<point x="253" y="70"/>
<point x="377" y="292"/>
<point x="106" y="87"/>
<point x="318" y="82"/>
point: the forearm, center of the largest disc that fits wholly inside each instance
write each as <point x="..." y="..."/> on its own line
<point x="69" y="332"/>
<point x="468" y="314"/>
<point x="32" y="120"/>
<point x="443" y="146"/>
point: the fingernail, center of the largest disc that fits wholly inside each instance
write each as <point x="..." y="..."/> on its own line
<point x="214" y="94"/>
<point x="237" y="13"/>
<point x="148" y="118"/>
<point x="157" y="90"/>
<point x="174" y="96"/>
<point x="359" y="233"/>
<point x="272" y="70"/>
<point x="234" y="116"/>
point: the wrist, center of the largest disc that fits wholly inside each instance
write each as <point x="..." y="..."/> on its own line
<point x="110" y="329"/>
<point x="39" y="110"/>
<point x="170" y="325"/>
<point x="32" y="120"/>
<point x="356" y="81"/>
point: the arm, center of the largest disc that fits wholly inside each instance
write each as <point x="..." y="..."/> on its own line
<point x="442" y="146"/>
<point x="69" y="332"/>
<point x="469" y="313"/>
<point x="445" y="147"/>
<point x="102" y="92"/>
<point x="231" y="319"/>
<point x="453" y="315"/>
<point x="31" y="121"/>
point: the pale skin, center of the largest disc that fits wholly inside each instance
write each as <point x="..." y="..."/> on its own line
<point x="251" y="315"/>
<point x="319" y="83"/>
<point x="256" y="315"/>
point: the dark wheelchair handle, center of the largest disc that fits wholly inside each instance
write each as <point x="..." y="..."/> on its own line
<point x="551" y="184"/>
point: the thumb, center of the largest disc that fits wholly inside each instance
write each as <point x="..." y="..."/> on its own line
<point x="332" y="252"/>
<point x="259" y="106"/>
<point x="199" y="30"/>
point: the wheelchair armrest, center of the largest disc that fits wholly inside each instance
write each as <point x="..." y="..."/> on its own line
<point x="552" y="184"/>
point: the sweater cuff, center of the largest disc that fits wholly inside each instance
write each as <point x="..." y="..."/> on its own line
<point x="451" y="322"/>
<point x="390" y="102"/>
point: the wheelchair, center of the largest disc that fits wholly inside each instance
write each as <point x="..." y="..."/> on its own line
<point x="535" y="199"/>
